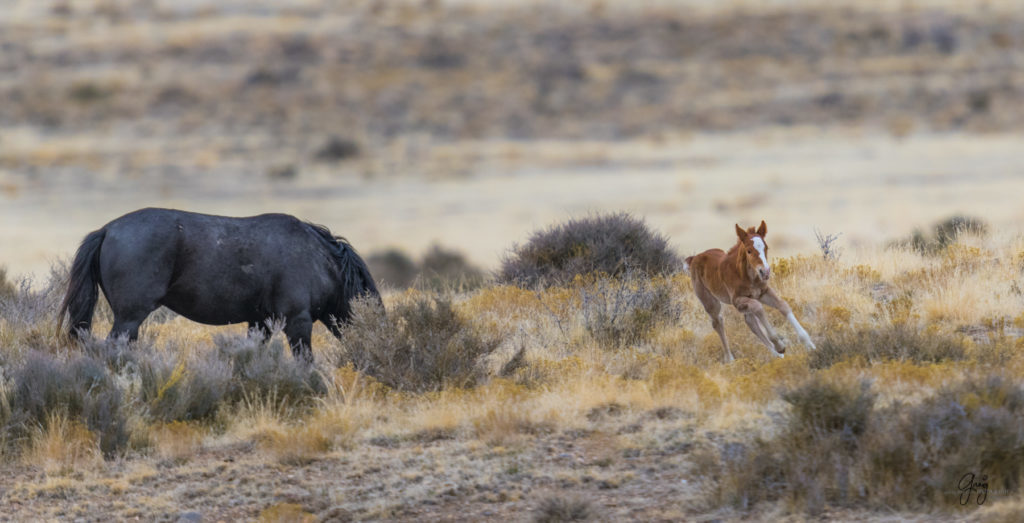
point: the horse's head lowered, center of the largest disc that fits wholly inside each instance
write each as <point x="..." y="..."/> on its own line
<point x="754" y="251"/>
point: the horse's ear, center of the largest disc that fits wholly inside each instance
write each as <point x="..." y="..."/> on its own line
<point x="763" y="229"/>
<point x="741" y="233"/>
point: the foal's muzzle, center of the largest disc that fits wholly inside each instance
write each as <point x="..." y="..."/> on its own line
<point x="764" y="272"/>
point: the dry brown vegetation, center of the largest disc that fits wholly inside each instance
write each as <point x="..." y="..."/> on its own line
<point x="247" y="91"/>
<point x="525" y="405"/>
<point x="598" y="396"/>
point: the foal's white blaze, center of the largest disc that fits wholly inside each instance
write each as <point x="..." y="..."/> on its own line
<point x="804" y="337"/>
<point x="759" y="245"/>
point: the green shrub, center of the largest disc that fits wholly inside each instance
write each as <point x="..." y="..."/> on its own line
<point x="421" y="344"/>
<point x="611" y="244"/>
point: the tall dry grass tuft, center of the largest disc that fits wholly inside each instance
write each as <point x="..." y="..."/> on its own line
<point x="62" y="446"/>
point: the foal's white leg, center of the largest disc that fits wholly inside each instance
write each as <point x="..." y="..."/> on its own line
<point x="773" y="300"/>
<point x="800" y="331"/>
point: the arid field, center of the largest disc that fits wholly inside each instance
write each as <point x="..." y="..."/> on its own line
<point x="880" y="143"/>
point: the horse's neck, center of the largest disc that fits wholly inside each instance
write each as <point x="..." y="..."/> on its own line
<point x="735" y="260"/>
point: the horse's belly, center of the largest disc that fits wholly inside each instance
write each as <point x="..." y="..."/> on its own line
<point x="217" y="308"/>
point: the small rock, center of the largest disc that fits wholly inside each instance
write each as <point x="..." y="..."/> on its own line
<point x="337" y="149"/>
<point x="190" y="517"/>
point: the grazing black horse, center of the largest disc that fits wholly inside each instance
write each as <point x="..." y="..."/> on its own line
<point x="216" y="270"/>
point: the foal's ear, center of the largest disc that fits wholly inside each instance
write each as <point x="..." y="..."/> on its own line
<point x="741" y="233"/>
<point x="763" y="229"/>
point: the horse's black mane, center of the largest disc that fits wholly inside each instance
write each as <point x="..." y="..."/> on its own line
<point x="354" y="271"/>
<point x="337" y="243"/>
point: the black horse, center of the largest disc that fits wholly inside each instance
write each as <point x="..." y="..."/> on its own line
<point x="216" y="270"/>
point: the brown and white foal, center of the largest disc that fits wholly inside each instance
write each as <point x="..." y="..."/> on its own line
<point x="740" y="277"/>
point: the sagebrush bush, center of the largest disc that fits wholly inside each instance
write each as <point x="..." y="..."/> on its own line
<point x="894" y="341"/>
<point x="267" y="368"/>
<point x="627" y="311"/>
<point x="440" y="270"/>
<point x="7" y="288"/>
<point x="557" y="509"/>
<point x="837" y="448"/>
<point x="809" y="463"/>
<point x="610" y="243"/>
<point x="181" y="390"/>
<point x="79" y="387"/>
<point x="421" y="344"/>
<point x="826" y="406"/>
<point x="392" y="268"/>
<point x="975" y="425"/>
<point x="25" y="305"/>
<point x="944" y="233"/>
<point x="446" y="270"/>
<point x="236" y="368"/>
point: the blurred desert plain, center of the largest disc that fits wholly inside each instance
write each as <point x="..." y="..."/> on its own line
<point x="469" y="123"/>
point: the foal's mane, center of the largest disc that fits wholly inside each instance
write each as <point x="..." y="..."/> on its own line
<point x="741" y="260"/>
<point x="355" y="274"/>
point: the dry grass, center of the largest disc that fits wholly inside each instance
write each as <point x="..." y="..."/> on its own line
<point x="597" y="397"/>
<point x="663" y="394"/>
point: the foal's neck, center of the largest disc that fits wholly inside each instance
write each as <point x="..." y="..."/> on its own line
<point x="735" y="258"/>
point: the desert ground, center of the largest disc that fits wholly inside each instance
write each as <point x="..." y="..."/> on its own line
<point x="470" y="125"/>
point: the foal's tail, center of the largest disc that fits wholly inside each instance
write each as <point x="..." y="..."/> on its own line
<point x="82" y="293"/>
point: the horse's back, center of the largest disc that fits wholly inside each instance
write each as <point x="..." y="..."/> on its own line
<point x="698" y="263"/>
<point x="705" y="270"/>
<point x="212" y="269"/>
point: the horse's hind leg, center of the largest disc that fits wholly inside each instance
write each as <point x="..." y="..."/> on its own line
<point x="299" y="330"/>
<point x="130" y="310"/>
<point x="127" y="323"/>
<point x="714" y="309"/>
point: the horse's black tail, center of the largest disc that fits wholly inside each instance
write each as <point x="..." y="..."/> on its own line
<point x="82" y="294"/>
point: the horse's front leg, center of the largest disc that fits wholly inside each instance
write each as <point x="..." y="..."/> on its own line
<point x="299" y="330"/>
<point x="773" y="300"/>
<point x="753" y="314"/>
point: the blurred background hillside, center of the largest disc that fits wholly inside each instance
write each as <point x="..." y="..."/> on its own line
<point x="469" y="123"/>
